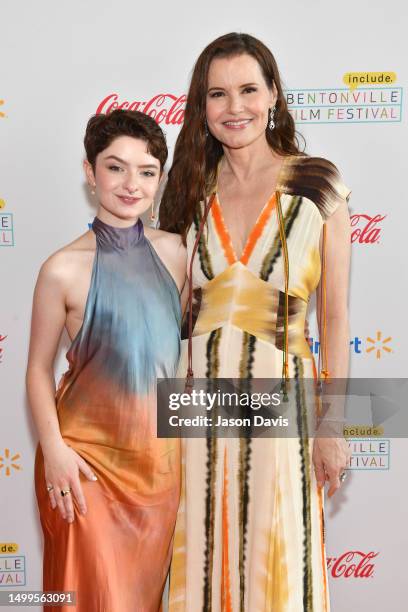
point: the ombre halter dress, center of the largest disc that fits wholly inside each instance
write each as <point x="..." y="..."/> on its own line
<point x="116" y="557"/>
<point x="250" y="528"/>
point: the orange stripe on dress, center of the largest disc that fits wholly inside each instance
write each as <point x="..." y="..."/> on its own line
<point x="223" y="232"/>
<point x="257" y="230"/>
<point x="324" y="565"/>
<point x="225" y="585"/>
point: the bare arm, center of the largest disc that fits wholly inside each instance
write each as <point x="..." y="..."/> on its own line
<point x="337" y="283"/>
<point x="331" y="454"/>
<point x="47" y="324"/>
<point x="61" y="463"/>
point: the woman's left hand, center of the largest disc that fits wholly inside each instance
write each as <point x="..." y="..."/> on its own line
<point x="330" y="459"/>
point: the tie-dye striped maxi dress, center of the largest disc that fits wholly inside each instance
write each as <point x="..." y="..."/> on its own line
<point x="250" y="527"/>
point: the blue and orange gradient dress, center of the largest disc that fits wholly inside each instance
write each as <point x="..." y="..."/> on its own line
<point x="116" y="557"/>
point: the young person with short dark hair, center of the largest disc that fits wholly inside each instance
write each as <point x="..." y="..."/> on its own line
<point x="107" y="487"/>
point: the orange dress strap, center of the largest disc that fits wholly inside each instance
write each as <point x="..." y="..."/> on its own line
<point x="223" y="232"/>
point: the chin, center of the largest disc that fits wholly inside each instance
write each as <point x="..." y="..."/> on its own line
<point x="239" y="141"/>
<point x="129" y="214"/>
<point x="122" y="215"/>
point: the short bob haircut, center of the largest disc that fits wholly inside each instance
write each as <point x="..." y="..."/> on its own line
<point x="102" y="130"/>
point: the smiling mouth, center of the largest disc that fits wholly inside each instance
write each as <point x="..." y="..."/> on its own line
<point x="237" y="124"/>
<point x="128" y="199"/>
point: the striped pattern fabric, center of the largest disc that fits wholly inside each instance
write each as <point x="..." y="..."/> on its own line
<point x="250" y="529"/>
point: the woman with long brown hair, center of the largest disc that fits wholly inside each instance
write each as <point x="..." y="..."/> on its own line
<point x="265" y="226"/>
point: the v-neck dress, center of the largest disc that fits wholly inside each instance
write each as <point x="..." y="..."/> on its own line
<point x="116" y="556"/>
<point x="250" y="527"/>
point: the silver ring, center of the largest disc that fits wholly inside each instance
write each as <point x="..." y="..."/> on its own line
<point x="343" y="476"/>
<point x="50" y="488"/>
<point x="65" y="492"/>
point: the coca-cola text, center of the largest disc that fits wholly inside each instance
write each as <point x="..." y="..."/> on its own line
<point x="367" y="232"/>
<point x="164" y="108"/>
<point x="1" y="350"/>
<point x="352" y="564"/>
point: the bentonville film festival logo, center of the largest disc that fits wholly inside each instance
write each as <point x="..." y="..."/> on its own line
<point x="369" y="453"/>
<point x="12" y="566"/>
<point x="6" y="226"/>
<point x="368" y="97"/>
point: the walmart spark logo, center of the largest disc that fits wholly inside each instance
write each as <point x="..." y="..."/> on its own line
<point x="1" y="104"/>
<point x="8" y="462"/>
<point x="378" y="345"/>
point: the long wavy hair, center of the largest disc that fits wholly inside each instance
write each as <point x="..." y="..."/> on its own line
<point x="196" y="153"/>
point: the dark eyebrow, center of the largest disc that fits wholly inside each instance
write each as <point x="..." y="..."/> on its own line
<point x="242" y="86"/>
<point x="122" y="161"/>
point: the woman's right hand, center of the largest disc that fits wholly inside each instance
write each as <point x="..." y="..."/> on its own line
<point x="62" y="466"/>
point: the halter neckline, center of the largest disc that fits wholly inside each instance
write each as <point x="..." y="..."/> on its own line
<point x="119" y="238"/>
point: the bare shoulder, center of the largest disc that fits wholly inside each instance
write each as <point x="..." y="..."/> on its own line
<point x="167" y="245"/>
<point x="171" y="251"/>
<point x="171" y="241"/>
<point x="66" y="263"/>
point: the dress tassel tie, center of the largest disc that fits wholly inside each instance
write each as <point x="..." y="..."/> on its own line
<point x="323" y="367"/>
<point x="282" y="235"/>
<point x="189" y="383"/>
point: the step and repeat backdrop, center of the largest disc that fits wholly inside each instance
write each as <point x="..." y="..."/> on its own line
<point x="344" y="71"/>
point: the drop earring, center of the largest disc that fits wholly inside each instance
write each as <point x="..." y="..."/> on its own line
<point x="93" y="189"/>
<point x="206" y="128"/>
<point x="152" y="216"/>
<point x="271" y="122"/>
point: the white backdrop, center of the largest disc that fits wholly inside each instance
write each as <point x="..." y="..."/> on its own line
<point x="59" y="62"/>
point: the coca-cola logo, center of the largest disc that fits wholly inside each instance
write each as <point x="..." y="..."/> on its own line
<point x="352" y="564"/>
<point x="366" y="228"/>
<point x="2" y="338"/>
<point x="164" y="108"/>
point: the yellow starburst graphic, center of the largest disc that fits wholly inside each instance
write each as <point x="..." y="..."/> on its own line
<point x="9" y="461"/>
<point x="1" y="104"/>
<point x="379" y="345"/>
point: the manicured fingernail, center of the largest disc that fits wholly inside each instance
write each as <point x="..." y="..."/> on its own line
<point x="94" y="477"/>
